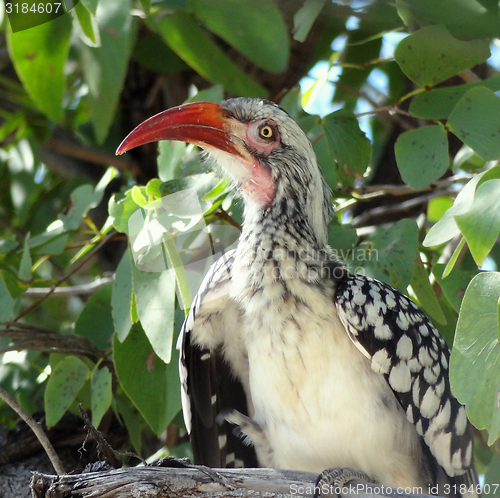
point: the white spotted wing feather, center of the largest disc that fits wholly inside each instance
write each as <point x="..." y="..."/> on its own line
<point x="404" y="346"/>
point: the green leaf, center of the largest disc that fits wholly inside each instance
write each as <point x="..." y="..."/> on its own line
<point x="394" y="251"/>
<point x="425" y="293"/>
<point x="8" y="244"/>
<point x="213" y="94"/>
<point x="446" y="228"/>
<point x="155" y="300"/>
<point x="24" y="272"/>
<point x="7" y="303"/>
<point x="90" y="5"/>
<point x="101" y="394"/>
<point x="438" y="103"/>
<point x="65" y="381"/>
<point x="465" y="19"/>
<point x="217" y="191"/>
<point x="304" y="18"/>
<point x="95" y="320"/>
<point x="378" y="19"/>
<point x="39" y="55"/>
<point x="99" y="189"/>
<point x="146" y="5"/>
<point x="342" y="240"/>
<point x="474" y="365"/>
<point x="454" y="257"/>
<point x="203" y="184"/>
<point x="105" y="67"/>
<point x="133" y="421"/>
<point x="467" y="160"/>
<point x="476" y="121"/>
<point x="82" y="198"/>
<point x="86" y="26"/>
<point x="256" y="29"/>
<point x="120" y="210"/>
<point x="348" y="145"/>
<point x="492" y="476"/>
<point x="480" y="225"/>
<point x="431" y="55"/>
<point x="454" y="284"/>
<point x="422" y="155"/>
<point x="193" y="45"/>
<point x="170" y="158"/>
<point x="52" y="238"/>
<point x="152" y="52"/>
<point x="153" y="188"/>
<point x="121" y="299"/>
<point x="328" y="167"/>
<point x="150" y="384"/>
<point x="437" y="207"/>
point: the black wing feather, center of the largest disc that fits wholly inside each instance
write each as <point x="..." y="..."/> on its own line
<point x="208" y="385"/>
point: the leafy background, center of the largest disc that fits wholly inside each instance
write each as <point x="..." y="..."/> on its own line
<point x="403" y="115"/>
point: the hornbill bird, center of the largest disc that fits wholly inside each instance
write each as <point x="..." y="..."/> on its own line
<point x="312" y="367"/>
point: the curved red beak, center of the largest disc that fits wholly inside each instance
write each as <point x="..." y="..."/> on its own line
<point x="200" y="123"/>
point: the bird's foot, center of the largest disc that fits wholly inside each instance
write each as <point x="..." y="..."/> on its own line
<point x="331" y="481"/>
<point x="246" y="429"/>
<point x="249" y="432"/>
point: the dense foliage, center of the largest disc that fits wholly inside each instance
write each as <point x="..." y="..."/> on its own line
<point x="417" y="191"/>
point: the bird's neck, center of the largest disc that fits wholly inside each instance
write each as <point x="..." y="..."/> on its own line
<point x="289" y="221"/>
<point x="282" y="239"/>
<point x="280" y="259"/>
<point x="278" y="229"/>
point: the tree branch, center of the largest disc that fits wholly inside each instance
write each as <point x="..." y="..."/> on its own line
<point x="39" y="339"/>
<point x="91" y="155"/>
<point x="197" y="481"/>
<point x="75" y="290"/>
<point x="36" y="428"/>
<point x="73" y="270"/>
<point x="367" y="218"/>
<point x="371" y="191"/>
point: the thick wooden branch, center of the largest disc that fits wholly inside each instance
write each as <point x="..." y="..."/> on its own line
<point x="197" y="481"/>
<point x="27" y="336"/>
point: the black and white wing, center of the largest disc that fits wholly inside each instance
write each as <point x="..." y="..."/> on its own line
<point x="403" y="345"/>
<point x="209" y="382"/>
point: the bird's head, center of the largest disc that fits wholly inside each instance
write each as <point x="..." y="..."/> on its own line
<point x="261" y="148"/>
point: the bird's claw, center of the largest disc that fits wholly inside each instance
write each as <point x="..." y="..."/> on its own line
<point x="244" y="427"/>
<point x="331" y="481"/>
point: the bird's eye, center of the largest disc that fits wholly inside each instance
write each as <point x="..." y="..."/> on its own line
<point x="266" y="132"/>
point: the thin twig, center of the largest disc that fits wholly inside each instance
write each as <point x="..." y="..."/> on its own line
<point x="91" y="155"/>
<point x="221" y="214"/>
<point x="364" y="65"/>
<point x="111" y="456"/>
<point x="37" y="429"/>
<point x="75" y="290"/>
<point x="67" y="275"/>
<point x="390" y="109"/>
<point x="370" y="191"/>
<point x="365" y="218"/>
